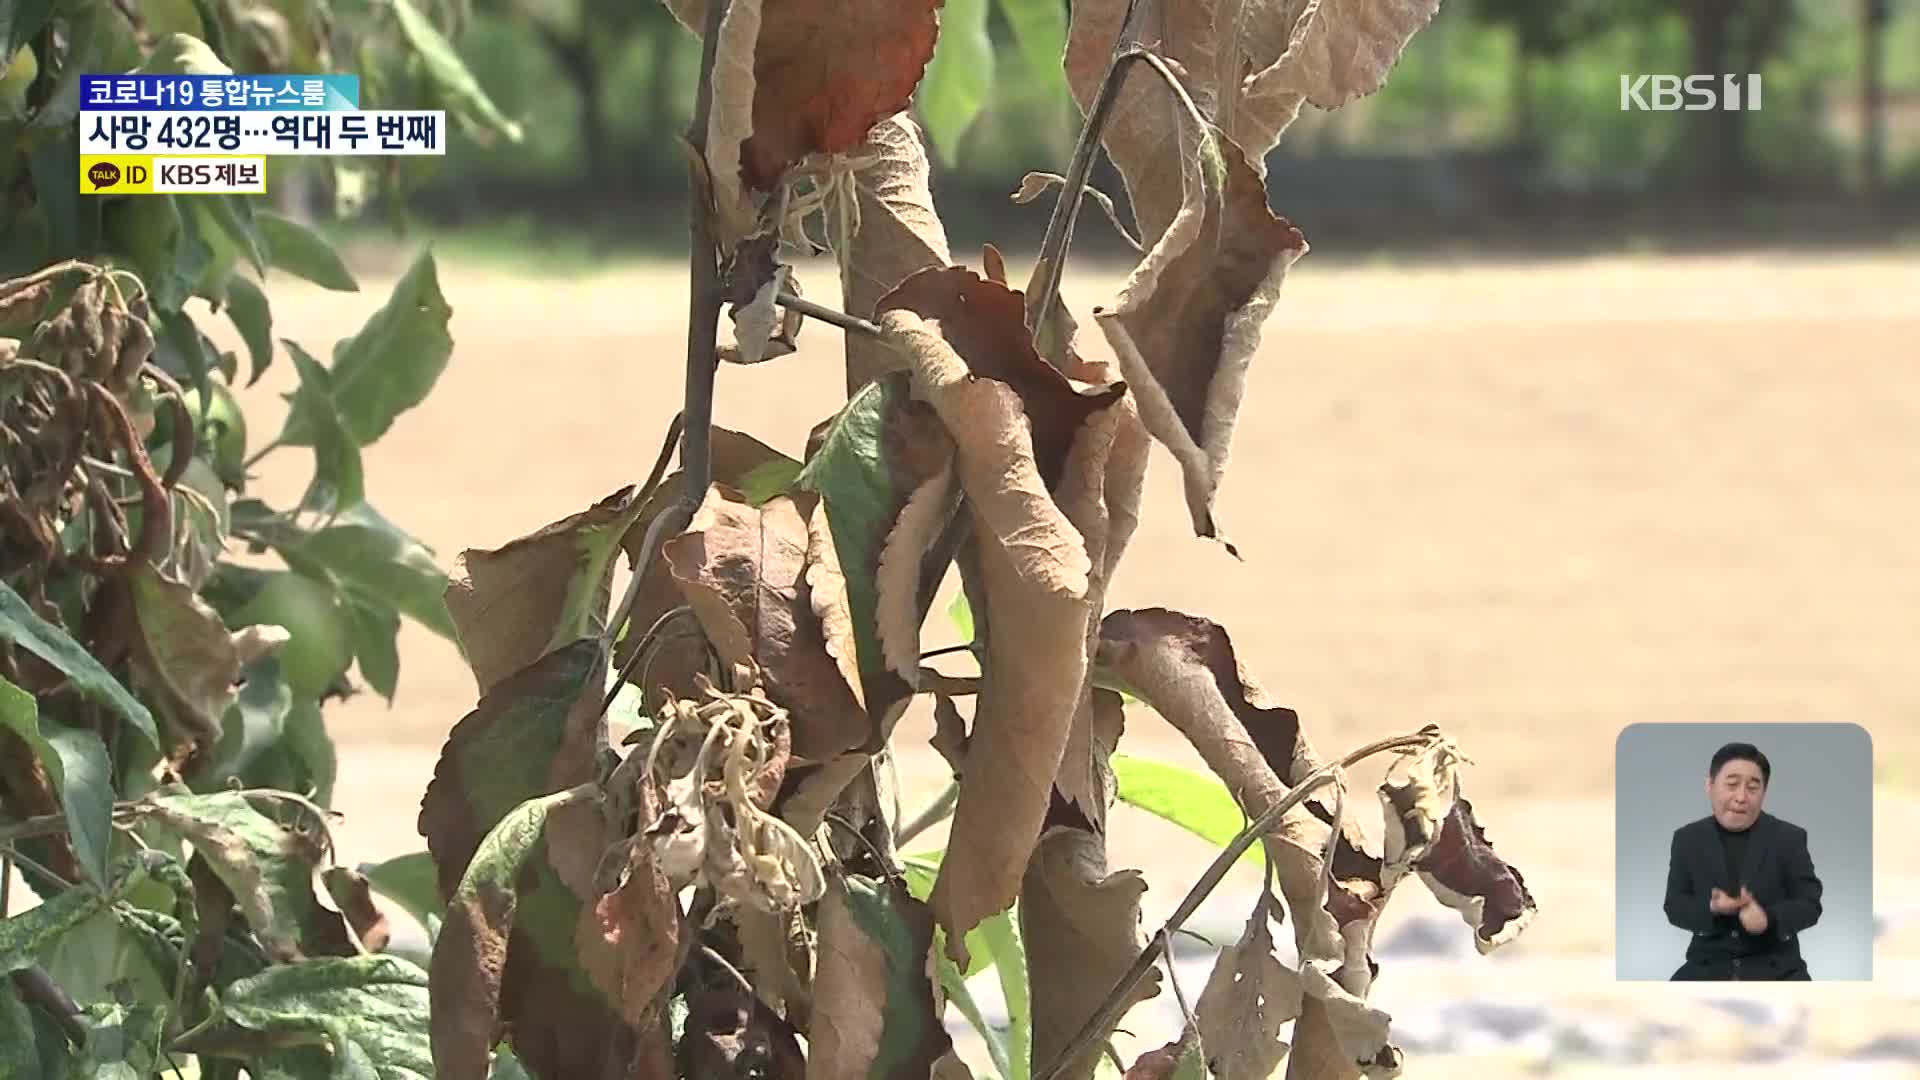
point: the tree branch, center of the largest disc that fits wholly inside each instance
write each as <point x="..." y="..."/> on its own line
<point x="1043" y="290"/>
<point x="826" y="314"/>
<point x="1109" y="1011"/>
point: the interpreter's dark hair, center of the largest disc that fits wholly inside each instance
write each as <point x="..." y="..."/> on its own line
<point x="1741" y="751"/>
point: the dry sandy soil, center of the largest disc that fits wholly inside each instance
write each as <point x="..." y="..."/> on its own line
<point x="1531" y="502"/>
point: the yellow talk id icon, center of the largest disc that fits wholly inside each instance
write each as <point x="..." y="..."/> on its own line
<point x="116" y="175"/>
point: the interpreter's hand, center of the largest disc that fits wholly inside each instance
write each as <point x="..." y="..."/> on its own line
<point x="1720" y="903"/>
<point x="1752" y="916"/>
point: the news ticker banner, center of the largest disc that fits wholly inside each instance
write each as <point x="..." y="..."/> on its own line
<point x="212" y="134"/>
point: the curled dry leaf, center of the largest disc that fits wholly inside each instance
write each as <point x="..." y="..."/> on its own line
<point x="888" y="232"/>
<point x="352" y="897"/>
<point x="1248" y="1000"/>
<point x="631" y="939"/>
<point x="513" y="604"/>
<point x="742" y="568"/>
<point x="874" y="1014"/>
<point x="1431" y="827"/>
<point x="188" y="650"/>
<point x="1081" y="925"/>
<point x="1338" y="1033"/>
<point x="1187" y="322"/>
<point x="1014" y="420"/>
<point x="762" y="329"/>
<point x="1186" y="669"/>
<point x="1246" y="64"/>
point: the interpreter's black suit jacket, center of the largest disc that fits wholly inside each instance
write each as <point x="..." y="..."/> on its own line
<point x="1778" y="871"/>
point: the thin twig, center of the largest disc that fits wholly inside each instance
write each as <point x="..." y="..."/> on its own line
<point x="708" y="953"/>
<point x="625" y="608"/>
<point x="1190" y="1024"/>
<point x="946" y="650"/>
<point x="1109" y="1010"/>
<point x="880" y="859"/>
<point x="706" y="298"/>
<point x="833" y="316"/>
<point x="1043" y="291"/>
<point x="939" y="810"/>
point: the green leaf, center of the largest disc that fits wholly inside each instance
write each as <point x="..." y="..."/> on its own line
<point x="862" y="471"/>
<point x="181" y="350"/>
<point x="19" y="22"/>
<point x="101" y="952"/>
<point x="30" y="1044"/>
<point x="254" y="724"/>
<point x="76" y="763"/>
<point x="959" y="78"/>
<point x="1040" y="33"/>
<point x="339" y="480"/>
<point x="961" y="616"/>
<point x="375" y="628"/>
<point x="1195" y="801"/>
<point x="123" y="1041"/>
<point x="378" y="1004"/>
<point x="390" y="365"/>
<point x="306" y="759"/>
<point x="460" y="91"/>
<point x="300" y="251"/>
<point x="247" y="307"/>
<point x="268" y="867"/>
<point x="363" y="555"/>
<point x="409" y="881"/>
<point x="25" y="936"/>
<point x="20" y="624"/>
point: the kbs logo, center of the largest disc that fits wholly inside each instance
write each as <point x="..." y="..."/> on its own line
<point x="1694" y="93"/>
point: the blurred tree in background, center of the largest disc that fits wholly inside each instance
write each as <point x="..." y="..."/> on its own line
<point x="1502" y="106"/>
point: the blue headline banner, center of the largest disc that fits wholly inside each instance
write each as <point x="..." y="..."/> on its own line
<point x="220" y="93"/>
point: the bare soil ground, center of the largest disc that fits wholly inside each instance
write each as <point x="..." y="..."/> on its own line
<point x="1531" y="502"/>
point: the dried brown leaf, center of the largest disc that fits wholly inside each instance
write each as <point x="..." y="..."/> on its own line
<point x="630" y="941"/>
<point x="1249" y="998"/>
<point x="1081" y="925"/>
<point x="743" y="569"/>
<point x="515" y="603"/>
<point x="1014" y="420"/>
<point x="885" y="234"/>
<point x="1187" y="321"/>
<point x="352" y="894"/>
<point x="1338" y="50"/>
<point x="188" y="651"/>
<point x="1339" y="1034"/>
<point x="1186" y="669"/>
<point x="1462" y="871"/>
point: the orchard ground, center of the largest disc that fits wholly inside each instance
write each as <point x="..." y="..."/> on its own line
<point x="1533" y="502"/>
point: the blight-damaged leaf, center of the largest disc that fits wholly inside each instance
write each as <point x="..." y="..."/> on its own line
<point x="1081" y="925"/>
<point x="470" y="956"/>
<point x="733" y="1033"/>
<point x="743" y="570"/>
<point x="76" y="765"/>
<point x="515" y="603"/>
<point x="268" y="867"/>
<point x="1337" y="50"/>
<point x="189" y="650"/>
<point x="1187" y="322"/>
<point x="1186" y="669"/>
<point x="21" y="625"/>
<point x="881" y="467"/>
<point x="1431" y="828"/>
<point x="1247" y="1002"/>
<point x="1014" y="419"/>
<point x="873" y="999"/>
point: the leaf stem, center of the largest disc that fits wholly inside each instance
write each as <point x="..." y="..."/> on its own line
<point x="659" y="471"/>
<point x="254" y="458"/>
<point x="1110" y="1008"/>
<point x="38" y="987"/>
<point x="825" y="314"/>
<point x="1043" y="291"/>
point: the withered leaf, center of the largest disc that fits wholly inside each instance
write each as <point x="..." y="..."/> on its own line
<point x="1081" y="925"/>
<point x="1339" y="1034"/>
<point x="742" y="568"/>
<point x="1248" y="1000"/>
<point x="873" y="1012"/>
<point x="513" y="604"/>
<point x="733" y="1033"/>
<point x="1187" y="322"/>
<point x="267" y="866"/>
<point x="631" y="940"/>
<point x="1462" y="871"/>
<point x="794" y="80"/>
<point x="1337" y="50"/>
<point x="1186" y="669"/>
<point x="352" y="895"/>
<point x="189" y="649"/>
<point x="1013" y="420"/>
<point x="886" y="233"/>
